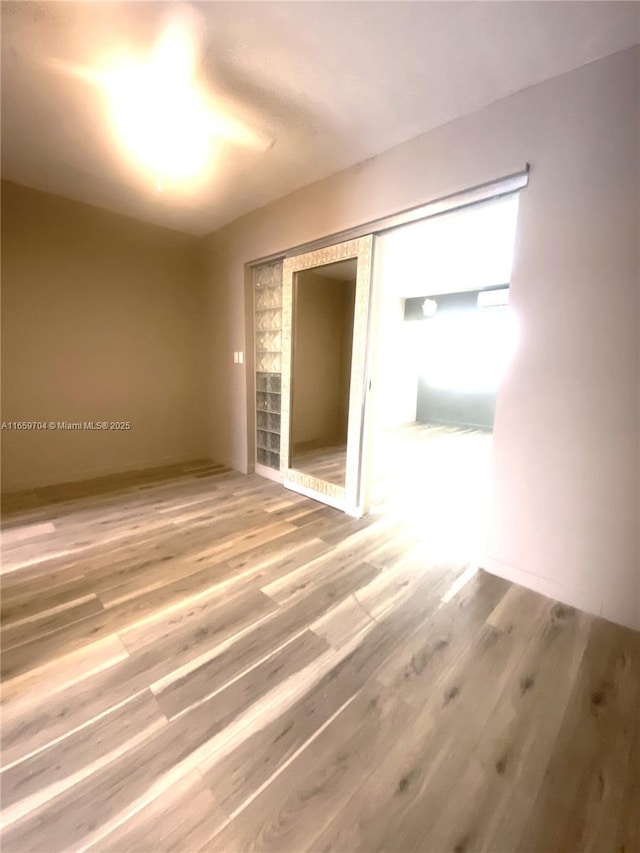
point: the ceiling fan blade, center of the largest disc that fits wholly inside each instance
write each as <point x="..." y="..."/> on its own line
<point x="77" y="72"/>
<point x="170" y="72"/>
<point x="234" y="131"/>
<point x="178" y="48"/>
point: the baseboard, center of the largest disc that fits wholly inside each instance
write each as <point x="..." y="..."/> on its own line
<point x="95" y="473"/>
<point x="269" y="473"/>
<point x="228" y="463"/>
<point x="329" y="500"/>
<point x="568" y="595"/>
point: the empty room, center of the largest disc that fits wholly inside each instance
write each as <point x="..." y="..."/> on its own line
<point x="320" y="427"/>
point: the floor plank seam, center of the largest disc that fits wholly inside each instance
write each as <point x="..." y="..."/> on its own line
<point x="371" y="701"/>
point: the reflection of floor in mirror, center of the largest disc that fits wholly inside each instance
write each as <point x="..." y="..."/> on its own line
<point x="437" y="479"/>
<point x="325" y="463"/>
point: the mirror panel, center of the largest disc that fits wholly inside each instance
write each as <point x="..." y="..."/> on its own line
<point x="325" y="321"/>
<point x="324" y="303"/>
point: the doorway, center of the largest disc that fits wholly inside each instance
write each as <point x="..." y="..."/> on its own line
<point x="442" y="268"/>
<point x="444" y="335"/>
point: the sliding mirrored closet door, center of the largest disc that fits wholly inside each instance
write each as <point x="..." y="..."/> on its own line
<point x="325" y="319"/>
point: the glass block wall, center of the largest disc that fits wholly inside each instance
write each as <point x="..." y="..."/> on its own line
<point x="267" y="293"/>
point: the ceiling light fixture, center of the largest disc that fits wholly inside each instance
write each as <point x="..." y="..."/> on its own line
<point x="164" y="119"/>
<point x="161" y="120"/>
<point x="429" y="307"/>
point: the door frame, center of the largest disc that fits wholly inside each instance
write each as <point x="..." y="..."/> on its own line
<point x="492" y="189"/>
<point x="348" y="498"/>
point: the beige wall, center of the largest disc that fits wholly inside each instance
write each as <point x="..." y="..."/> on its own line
<point x="101" y="320"/>
<point x="323" y="336"/>
<point x="565" y="512"/>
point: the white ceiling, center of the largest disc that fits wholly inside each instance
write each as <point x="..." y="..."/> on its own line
<point x="333" y="83"/>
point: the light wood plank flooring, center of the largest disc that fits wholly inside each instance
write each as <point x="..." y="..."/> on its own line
<point x="437" y="480"/>
<point x="325" y="463"/>
<point x="199" y="660"/>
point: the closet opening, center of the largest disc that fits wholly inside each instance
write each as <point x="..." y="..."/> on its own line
<point x="444" y="334"/>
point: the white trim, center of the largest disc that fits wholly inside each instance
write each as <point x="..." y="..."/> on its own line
<point x="269" y="473"/>
<point x="329" y="500"/>
<point x="347" y="495"/>
<point x="569" y="595"/>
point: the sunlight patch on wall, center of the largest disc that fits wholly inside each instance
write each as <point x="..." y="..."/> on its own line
<point x="468" y="351"/>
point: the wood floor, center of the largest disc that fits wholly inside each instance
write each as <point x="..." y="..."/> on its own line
<point x="325" y="463"/>
<point x="437" y="480"/>
<point x="200" y="660"/>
